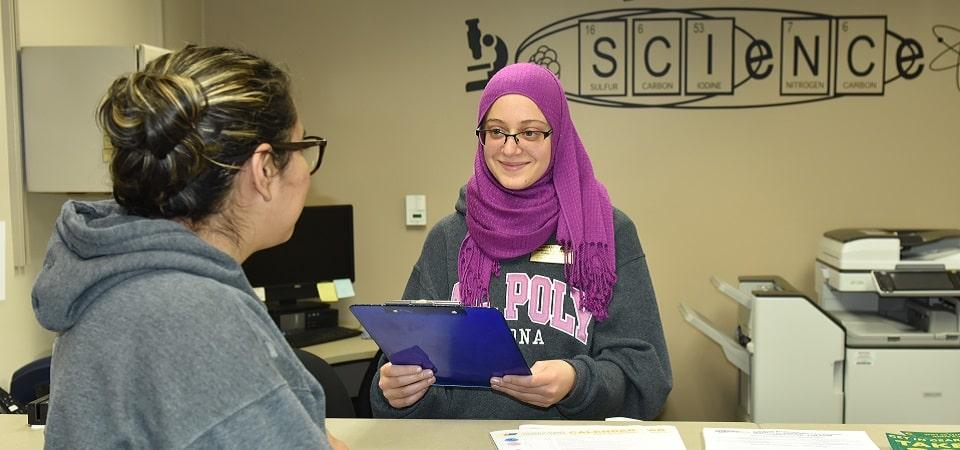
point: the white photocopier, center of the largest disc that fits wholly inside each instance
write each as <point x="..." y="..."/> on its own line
<point x="881" y="344"/>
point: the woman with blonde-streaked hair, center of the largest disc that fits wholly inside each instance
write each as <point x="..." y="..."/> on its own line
<point x="162" y="343"/>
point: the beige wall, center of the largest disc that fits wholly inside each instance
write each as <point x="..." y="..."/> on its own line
<point x="97" y="22"/>
<point x="725" y="192"/>
<point x="182" y="23"/>
<point x="65" y="22"/>
<point x="712" y="192"/>
<point x="21" y="339"/>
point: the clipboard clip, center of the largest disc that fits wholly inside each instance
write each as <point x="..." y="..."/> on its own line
<point x="423" y="303"/>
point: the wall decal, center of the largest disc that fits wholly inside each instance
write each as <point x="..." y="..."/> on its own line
<point x="715" y="58"/>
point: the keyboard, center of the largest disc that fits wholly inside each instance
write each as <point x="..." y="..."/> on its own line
<point x="320" y="335"/>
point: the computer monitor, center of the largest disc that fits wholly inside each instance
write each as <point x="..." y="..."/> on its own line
<point x="320" y="249"/>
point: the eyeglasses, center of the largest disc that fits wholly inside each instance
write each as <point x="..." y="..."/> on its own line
<point x="312" y="148"/>
<point x="496" y="137"/>
<point x="314" y="156"/>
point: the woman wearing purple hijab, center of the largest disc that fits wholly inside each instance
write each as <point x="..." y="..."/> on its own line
<point x="535" y="236"/>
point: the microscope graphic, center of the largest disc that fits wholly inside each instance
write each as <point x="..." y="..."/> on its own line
<point x="479" y="42"/>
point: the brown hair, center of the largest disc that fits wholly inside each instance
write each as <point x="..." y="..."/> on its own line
<point x="184" y="124"/>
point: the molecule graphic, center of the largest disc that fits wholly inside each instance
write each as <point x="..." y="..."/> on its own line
<point x="546" y="57"/>
<point x="951" y="51"/>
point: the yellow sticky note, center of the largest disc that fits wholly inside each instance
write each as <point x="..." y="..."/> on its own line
<point x="327" y="291"/>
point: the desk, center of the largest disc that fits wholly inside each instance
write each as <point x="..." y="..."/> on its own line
<point x="361" y="434"/>
<point x="344" y="350"/>
<point x="414" y="434"/>
<point x="15" y="434"/>
<point x="400" y="434"/>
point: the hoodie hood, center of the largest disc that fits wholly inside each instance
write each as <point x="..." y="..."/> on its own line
<point x="96" y="245"/>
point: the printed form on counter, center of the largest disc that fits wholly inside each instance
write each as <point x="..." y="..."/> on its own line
<point x="766" y="439"/>
<point x="589" y="437"/>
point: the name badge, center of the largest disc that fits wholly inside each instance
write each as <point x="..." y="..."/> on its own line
<point x="551" y="254"/>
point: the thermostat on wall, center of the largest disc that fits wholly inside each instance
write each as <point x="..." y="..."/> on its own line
<point x="416" y="210"/>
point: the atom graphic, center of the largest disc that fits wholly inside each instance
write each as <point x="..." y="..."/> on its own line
<point x="546" y="57"/>
<point x="949" y="50"/>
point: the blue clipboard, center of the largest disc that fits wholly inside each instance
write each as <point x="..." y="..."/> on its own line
<point x="464" y="346"/>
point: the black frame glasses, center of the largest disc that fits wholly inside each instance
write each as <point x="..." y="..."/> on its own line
<point x="307" y="142"/>
<point x="516" y="136"/>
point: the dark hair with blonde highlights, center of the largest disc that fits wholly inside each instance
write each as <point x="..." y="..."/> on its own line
<point x="184" y="124"/>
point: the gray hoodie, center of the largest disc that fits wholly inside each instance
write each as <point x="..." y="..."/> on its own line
<point x="162" y="342"/>
<point x="621" y="364"/>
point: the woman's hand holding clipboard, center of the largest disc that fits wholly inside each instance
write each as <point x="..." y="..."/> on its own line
<point x="461" y="346"/>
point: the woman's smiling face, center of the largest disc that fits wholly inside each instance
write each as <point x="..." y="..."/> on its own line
<point x="516" y="163"/>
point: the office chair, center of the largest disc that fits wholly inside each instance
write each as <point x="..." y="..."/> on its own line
<point x="31" y="381"/>
<point x="362" y="406"/>
<point x="338" y="400"/>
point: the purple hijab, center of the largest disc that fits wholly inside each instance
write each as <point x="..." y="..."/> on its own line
<point x="568" y="200"/>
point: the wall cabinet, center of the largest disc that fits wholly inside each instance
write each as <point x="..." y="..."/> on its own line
<point x="61" y="88"/>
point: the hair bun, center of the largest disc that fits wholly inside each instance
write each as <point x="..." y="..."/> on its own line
<point x="183" y="124"/>
<point x="151" y="120"/>
<point x="152" y="112"/>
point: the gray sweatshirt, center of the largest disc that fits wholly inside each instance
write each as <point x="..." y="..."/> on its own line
<point x="162" y="343"/>
<point x="621" y="364"/>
